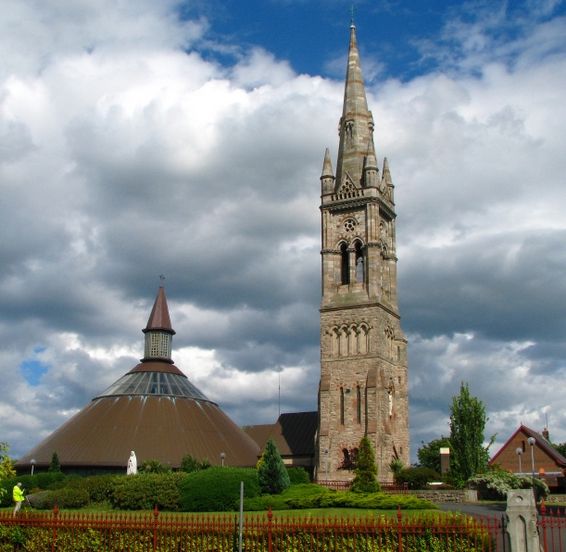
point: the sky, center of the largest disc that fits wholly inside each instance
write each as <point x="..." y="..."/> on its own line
<point x="140" y="138"/>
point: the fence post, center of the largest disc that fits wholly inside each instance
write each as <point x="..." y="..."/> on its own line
<point x="543" y="523"/>
<point x="55" y="518"/>
<point x="522" y="521"/>
<point x="399" y="530"/>
<point x="269" y="529"/>
<point x="155" y="522"/>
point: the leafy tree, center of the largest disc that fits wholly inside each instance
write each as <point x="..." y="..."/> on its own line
<point x="6" y="466"/>
<point x="429" y="453"/>
<point x="272" y="474"/>
<point x="190" y="464"/>
<point x="55" y="465"/>
<point x="467" y="425"/>
<point x="560" y="447"/>
<point x="365" y="480"/>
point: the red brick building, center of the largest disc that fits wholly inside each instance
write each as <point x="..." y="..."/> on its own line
<point x="527" y="452"/>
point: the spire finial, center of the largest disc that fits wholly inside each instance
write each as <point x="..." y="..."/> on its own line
<point x="352" y="22"/>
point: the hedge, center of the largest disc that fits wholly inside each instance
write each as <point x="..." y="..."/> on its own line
<point x="217" y="489"/>
<point x="144" y="491"/>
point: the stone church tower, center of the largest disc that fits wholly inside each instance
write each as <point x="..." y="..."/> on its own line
<point x="363" y="381"/>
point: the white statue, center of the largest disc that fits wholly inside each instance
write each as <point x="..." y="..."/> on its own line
<point x="132" y="464"/>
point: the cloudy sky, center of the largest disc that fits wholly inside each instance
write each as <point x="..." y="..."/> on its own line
<point x="140" y="138"/>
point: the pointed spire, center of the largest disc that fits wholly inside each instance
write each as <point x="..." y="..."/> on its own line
<point x="159" y="318"/>
<point x="356" y="124"/>
<point x="158" y="332"/>
<point x="327" y="178"/>
<point x="386" y="181"/>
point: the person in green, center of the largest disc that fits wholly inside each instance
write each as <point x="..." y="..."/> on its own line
<point x="18" y="496"/>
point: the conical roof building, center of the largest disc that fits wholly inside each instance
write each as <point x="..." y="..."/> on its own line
<point x="153" y="410"/>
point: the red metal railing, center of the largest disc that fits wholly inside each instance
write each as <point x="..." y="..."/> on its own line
<point x="552" y="528"/>
<point x="262" y="533"/>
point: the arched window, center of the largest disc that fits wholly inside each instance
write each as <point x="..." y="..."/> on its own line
<point x="344" y="264"/>
<point x="341" y="405"/>
<point x="360" y="262"/>
<point x="359" y="404"/>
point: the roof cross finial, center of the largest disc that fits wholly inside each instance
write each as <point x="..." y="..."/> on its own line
<point x="161" y="280"/>
<point x="352" y="10"/>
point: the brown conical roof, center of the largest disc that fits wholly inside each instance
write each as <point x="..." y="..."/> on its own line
<point x="159" y="318"/>
<point x="153" y="410"/>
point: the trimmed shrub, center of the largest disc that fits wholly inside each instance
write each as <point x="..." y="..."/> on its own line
<point x="30" y="483"/>
<point x="146" y="490"/>
<point x="64" y="498"/>
<point x="365" y="480"/>
<point x="298" y="476"/>
<point x="271" y="472"/>
<point x="99" y="487"/>
<point x="217" y="489"/>
<point x="417" y="478"/>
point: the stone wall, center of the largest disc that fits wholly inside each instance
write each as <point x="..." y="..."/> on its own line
<point x="445" y="495"/>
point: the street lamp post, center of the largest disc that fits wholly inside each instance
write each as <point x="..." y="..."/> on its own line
<point x="519" y="452"/>
<point x="222" y="458"/>
<point x="32" y="462"/>
<point x="532" y="441"/>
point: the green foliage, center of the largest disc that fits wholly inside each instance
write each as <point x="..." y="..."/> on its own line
<point x="496" y="483"/>
<point x="298" y="476"/>
<point x="190" y="464"/>
<point x="560" y="448"/>
<point x="467" y="425"/>
<point x="217" y="489"/>
<point x="145" y="490"/>
<point x="30" y="483"/>
<point x="6" y="463"/>
<point x="302" y="497"/>
<point x="153" y="466"/>
<point x="417" y="478"/>
<point x="99" y="487"/>
<point x="68" y="497"/>
<point x="55" y="465"/>
<point x="429" y="453"/>
<point x="365" y="480"/>
<point x="272" y="474"/>
<point x="396" y="466"/>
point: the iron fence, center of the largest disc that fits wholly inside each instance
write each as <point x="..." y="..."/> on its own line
<point x="157" y="532"/>
<point x="552" y="528"/>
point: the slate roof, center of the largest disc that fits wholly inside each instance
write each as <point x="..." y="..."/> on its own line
<point x="293" y="433"/>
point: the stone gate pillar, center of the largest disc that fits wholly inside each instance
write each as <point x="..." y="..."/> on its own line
<point x="522" y="521"/>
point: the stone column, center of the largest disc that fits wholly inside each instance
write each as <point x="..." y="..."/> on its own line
<point x="522" y="521"/>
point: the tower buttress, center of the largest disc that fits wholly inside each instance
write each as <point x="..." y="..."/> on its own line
<point x="363" y="381"/>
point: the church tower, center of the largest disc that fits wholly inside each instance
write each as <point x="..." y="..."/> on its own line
<point x="363" y="383"/>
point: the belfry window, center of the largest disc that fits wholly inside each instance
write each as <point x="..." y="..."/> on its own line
<point x="344" y="264"/>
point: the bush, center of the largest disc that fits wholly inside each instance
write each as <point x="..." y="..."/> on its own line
<point x="417" y="478"/>
<point x="365" y="480"/>
<point x="43" y="480"/>
<point x="271" y="472"/>
<point x="298" y="476"/>
<point x="63" y="498"/>
<point x="99" y="487"/>
<point x="495" y="484"/>
<point x="153" y="466"/>
<point x="190" y="464"/>
<point x="146" y="490"/>
<point x="217" y="489"/>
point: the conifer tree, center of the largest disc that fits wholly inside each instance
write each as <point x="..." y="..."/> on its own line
<point x="365" y="480"/>
<point x="55" y="465"/>
<point x="272" y="474"/>
<point x="467" y="424"/>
